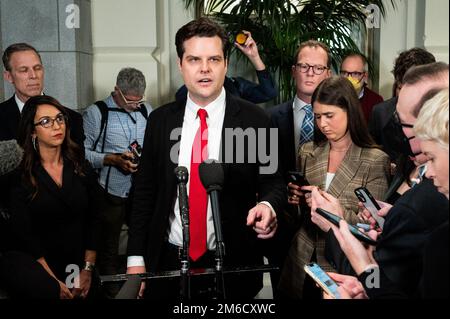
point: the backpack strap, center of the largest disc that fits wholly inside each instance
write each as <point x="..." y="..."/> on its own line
<point x="103" y="126"/>
<point x="143" y="110"/>
<point x="104" y="120"/>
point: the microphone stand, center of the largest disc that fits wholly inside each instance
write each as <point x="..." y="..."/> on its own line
<point x="185" y="289"/>
<point x="185" y="280"/>
<point x="213" y="191"/>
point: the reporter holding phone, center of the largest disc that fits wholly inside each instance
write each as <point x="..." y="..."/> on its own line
<point x="341" y="158"/>
<point x="432" y="129"/>
<point x="115" y="129"/>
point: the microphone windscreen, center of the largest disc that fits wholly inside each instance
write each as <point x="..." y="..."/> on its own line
<point x="130" y="288"/>
<point x="211" y="174"/>
<point x="181" y="174"/>
<point x="10" y="156"/>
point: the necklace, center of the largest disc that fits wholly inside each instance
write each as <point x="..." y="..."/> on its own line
<point x="341" y="151"/>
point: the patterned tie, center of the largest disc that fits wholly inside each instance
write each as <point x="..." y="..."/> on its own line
<point x="307" y="129"/>
<point x="198" y="199"/>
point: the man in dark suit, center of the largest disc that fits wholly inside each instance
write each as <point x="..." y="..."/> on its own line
<point x="250" y="197"/>
<point x="24" y="70"/>
<point x="382" y="112"/>
<point x="311" y="65"/>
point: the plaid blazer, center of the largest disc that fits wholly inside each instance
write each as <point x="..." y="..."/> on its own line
<point x="368" y="167"/>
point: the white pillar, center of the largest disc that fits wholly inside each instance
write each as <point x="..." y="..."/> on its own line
<point x="436" y="28"/>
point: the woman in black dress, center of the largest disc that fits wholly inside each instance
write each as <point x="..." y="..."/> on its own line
<point x="52" y="200"/>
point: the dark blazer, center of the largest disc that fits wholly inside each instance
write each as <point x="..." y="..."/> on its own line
<point x="155" y="188"/>
<point x="9" y="111"/>
<point x="381" y="114"/>
<point x="58" y="223"/>
<point x="282" y="117"/>
<point x="434" y="282"/>
<point x="400" y="248"/>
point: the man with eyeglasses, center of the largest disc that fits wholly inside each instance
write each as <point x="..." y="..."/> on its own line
<point x="354" y="67"/>
<point x="115" y="129"/>
<point x="295" y="122"/>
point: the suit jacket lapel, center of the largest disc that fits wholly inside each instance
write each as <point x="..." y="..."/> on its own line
<point x="231" y="120"/>
<point x="174" y="122"/>
<point x="287" y="131"/>
<point x="346" y="171"/>
<point x="320" y="166"/>
<point x="13" y="115"/>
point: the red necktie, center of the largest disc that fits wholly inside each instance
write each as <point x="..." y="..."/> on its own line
<point x="198" y="199"/>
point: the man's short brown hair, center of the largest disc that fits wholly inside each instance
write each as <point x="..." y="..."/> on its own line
<point x="202" y="27"/>
<point x="313" y="44"/>
<point x="16" y="47"/>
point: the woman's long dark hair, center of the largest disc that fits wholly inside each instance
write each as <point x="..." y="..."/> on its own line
<point x="338" y="91"/>
<point x="69" y="150"/>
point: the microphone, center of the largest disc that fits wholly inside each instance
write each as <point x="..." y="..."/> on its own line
<point x="212" y="178"/>
<point x="130" y="288"/>
<point x="182" y="175"/>
<point x="211" y="175"/>
<point x="10" y="156"/>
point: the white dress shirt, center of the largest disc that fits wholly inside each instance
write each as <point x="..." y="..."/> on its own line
<point x="191" y="124"/>
<point x="19" y="103"/>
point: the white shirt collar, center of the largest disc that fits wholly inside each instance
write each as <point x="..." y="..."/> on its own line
<point x="299" y="104"/>
<point x="361" y="94"/>
<point x="214" y="109"/>
<point x="19" y="103"/>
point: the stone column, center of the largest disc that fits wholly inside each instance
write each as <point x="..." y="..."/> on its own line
<point x="61" y="31"/>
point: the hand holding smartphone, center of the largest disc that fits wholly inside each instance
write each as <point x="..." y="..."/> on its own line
<point x="370" y="204"/>
<point x="334" y="219"/>
<point x="322" y="279"/>
<point x="298" y="179"/>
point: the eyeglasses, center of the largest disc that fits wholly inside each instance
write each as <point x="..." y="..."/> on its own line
<point x="355" y="74"/>
<point x="304" y="68"/>
<point x="399" y="122"/>
<point x="48" y="122"/>
<point x="131" y="103"/>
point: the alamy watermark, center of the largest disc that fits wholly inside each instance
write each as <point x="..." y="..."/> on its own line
<point x="373" y="280"/>
<point x="73" y="18"/>
<point x="373" y="14"/>
<point x="249" y="146"/>
<point x="73" y="277"/>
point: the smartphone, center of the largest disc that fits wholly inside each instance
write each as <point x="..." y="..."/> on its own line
<point x="371" y="204"/>
<point x="322" y="279"/>
<point x="334" y="219"/>
<point x="298" y="178"/>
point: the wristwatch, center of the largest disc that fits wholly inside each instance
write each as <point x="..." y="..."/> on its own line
<point x="88" y="266"/>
